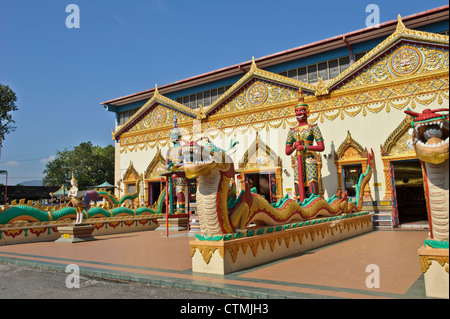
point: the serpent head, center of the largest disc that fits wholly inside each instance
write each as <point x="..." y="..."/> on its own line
<point x="201" y="159"/>
<point x="430" y="135"/>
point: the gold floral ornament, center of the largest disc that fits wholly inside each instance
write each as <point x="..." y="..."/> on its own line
<point x="321" y="88"/>
<point x="405" y="60"/>
<point x="200" y="113"/>
<point x="257" y="93"/>
<point x="159" y="115"/>
<point x="425" y="262"/>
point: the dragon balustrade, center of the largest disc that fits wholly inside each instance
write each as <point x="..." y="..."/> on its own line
<point x="222" y="211"/>
<point x="230" y="222"/>
<point x="26" y="215"/>
<point x="430" y="138"/>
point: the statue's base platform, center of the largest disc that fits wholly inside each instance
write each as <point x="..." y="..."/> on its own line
<point x="434" y="263"/>
<point x="75" y="233"/>
<point x="194" y="225"/>
<point x="223" y="254"/>
<point x="177" y="222"/>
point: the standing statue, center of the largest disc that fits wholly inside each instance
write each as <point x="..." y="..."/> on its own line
<point x="174" y="163"/>
<point x="80" y="205"/>
<point x="301" y="139"/>
<point x="174" y="158"/>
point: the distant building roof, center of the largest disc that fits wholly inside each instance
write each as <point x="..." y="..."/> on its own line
<point x="104" y="185"/>
<point x="27" y="192"/>
<point x="62" y="191"/>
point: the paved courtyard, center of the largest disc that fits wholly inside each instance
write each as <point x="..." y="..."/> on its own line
<point x="342" y="270"/>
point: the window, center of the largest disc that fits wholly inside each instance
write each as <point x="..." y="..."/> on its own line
<point x="131" y="188"/>
<point x="200" y="99"/>
<point x="312" y="73"/>
<point x="326" y="70"/>
<point x="307" y="74"/>
<point x="207" y="98"/>
<point x="292" y="74"/>
<point x="302" y="75"/>
<point x="192" y="101"/>
<point x="125" y="115"/>
<point x="359" y="55"/>
<point x="344" y="63"/>
<point x="323" y="70"/>
<point x="213" y="95"/>
<point x="334" y="68"/>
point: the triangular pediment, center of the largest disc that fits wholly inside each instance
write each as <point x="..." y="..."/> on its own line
<point x="350" y="149"/>
<point x="156" y="167"/>
<point x="131" y="174"/>
<point x="406" y="52"/>
<point x="399" y="142"/>
<point x="157" y="112"/>
<point x="259" y="155"/>
<point x="258" y="88"/>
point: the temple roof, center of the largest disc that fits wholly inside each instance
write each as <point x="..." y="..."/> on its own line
<point x="400" y="36"/>
<point x="383" y="63"/>
<point x="156" y="99"/>
<point x="383" y="30"/>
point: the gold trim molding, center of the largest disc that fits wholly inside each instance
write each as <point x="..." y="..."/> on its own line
<point x="277" y="239"/>
<point x="425" y="262"/>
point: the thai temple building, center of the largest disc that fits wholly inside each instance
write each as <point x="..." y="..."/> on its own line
<point x="357" y="87"/>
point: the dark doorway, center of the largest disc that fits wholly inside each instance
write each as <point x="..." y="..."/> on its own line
<point x="154" y="191"/>
<point x="261" y="183"/>
<point x="351" y="174"/>
<point x="410" y="193"/>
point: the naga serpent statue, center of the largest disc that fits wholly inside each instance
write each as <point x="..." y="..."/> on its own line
<point x="220" y="211"/>
<point x="113" y="200"/>
<point x="430" y="139"/>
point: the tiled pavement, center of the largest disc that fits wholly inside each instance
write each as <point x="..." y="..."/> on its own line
<point x="335" y="271"/>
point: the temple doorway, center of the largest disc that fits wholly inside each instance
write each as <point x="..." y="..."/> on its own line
<point x="409" y="193"/>
<point x="261" y="168"/>
<point x="154" y="190"/>
<point x="261" y="183"/>
<point x="351" y="174"/>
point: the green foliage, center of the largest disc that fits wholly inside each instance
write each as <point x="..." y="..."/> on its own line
<point x="7" y="105"/>
<point x="91" y="166"/>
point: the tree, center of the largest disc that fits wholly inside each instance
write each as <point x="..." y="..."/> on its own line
<point x="7" y="104"/>
<point x="91" y="165"/>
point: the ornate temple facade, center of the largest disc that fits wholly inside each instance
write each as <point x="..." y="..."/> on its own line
<point x="358" y="109"/>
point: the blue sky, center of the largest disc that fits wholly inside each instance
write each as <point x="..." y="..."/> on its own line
<point x="61" y="75"/>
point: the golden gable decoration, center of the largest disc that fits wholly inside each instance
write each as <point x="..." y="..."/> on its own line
<point x="156" y="167"/>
